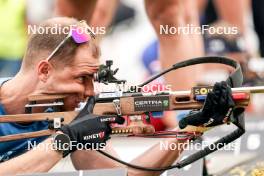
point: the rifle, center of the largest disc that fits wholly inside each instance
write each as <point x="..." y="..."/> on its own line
<point x="137" y="107"/>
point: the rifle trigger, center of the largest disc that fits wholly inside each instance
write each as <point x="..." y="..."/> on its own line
<point x="117" y="106"/>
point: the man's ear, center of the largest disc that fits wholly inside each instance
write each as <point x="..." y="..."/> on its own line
<point x="44" y="69"/>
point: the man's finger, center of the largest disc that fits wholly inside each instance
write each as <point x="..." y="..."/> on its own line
<point x="90" y="104"/>
<point x="88" y="108"/>
<point x="192" y="119"/>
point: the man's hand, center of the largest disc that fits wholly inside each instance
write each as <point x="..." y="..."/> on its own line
<point x="217" y="107"/>
<point x="87" y="128"/>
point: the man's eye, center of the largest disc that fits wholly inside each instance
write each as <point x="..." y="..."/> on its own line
<point x="81" y="79"/>
<point x="86" y="77"/>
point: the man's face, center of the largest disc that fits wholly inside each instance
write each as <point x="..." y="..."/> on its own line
<point x="75" y="79"/>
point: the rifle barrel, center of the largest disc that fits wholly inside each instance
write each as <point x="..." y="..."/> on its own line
<point x="254" y="89"/>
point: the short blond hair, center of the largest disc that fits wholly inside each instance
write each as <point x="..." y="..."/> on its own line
<point x="41" y="45"/>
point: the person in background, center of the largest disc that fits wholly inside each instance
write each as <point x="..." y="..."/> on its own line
<point x="258" y="18"/>
<point x="13" y="36"/>
<point x="229" y="15"/>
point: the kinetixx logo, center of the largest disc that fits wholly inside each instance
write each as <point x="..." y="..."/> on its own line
<point x="94" y="136"/>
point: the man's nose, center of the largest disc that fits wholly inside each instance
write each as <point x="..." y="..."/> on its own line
<point x="89" y="89"/>
<point x="88" y="93"/>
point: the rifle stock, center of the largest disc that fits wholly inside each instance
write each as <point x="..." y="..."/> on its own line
<point x="179" y="100"/>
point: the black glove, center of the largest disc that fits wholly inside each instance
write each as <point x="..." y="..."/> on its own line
<point x="217" y="105"/>
<point x="89" y="129"/>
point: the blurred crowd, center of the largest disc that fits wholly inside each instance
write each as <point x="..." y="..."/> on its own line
<point x="245" y="15"/>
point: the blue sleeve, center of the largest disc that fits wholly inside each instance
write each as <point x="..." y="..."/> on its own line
<point x="2" y="111"/>
<point x="12" y="149"/>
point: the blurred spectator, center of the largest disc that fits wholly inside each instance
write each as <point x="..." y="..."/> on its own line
<point x="258" y="18"/>
<point x="12" y="36"/>
<point x="160" y="120"/>
<point x="176" y="47"/>
<point x="236" y="46"/>
<point x="38" y="11"/>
